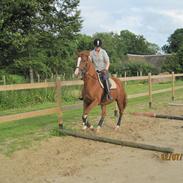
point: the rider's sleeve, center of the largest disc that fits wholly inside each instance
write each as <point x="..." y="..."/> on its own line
<point x="106" y="57"/>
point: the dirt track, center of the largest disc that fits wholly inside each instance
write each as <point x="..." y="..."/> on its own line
<point x="71" y="160"/>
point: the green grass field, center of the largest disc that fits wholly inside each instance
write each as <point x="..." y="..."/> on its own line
<point x="21" y="134"/>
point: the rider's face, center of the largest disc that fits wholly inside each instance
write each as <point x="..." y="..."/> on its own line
<point x="97" y="48"/>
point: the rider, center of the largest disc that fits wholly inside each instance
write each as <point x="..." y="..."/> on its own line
<point x="100" y="59"/>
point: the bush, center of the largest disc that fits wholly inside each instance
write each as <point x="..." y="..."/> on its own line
<point x="24" y="98"/>
<point x="133" y="68"/>
<point x="12" y="78"/>
<point x="174" y="63"/>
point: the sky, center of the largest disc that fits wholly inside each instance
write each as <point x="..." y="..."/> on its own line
<point x="154" y="19"/>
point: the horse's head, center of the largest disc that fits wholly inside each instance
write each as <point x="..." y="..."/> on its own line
<point x="82" y="63"/>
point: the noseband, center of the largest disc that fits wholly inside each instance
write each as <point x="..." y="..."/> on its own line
<point x="82" y="71"/>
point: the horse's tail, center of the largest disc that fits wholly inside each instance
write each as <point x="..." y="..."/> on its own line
<point x="118" y="82"/>
<point x="125" y="101"/>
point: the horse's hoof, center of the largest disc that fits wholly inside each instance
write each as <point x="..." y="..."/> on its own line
<point x="91" y="128"/>
<point x="116" y="128"/>
<point x="98" y="129"/>
<point x="84" y="127"/>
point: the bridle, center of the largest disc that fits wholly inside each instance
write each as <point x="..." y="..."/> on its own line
<point x="84" y="71"/>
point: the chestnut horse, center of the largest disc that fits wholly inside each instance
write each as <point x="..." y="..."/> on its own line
<point x="92" y="91"/>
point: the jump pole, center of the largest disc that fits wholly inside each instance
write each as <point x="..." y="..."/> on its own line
<point x="117" y="142"/>
<point x="175" y="104"/>
<point x="154" y="115"/>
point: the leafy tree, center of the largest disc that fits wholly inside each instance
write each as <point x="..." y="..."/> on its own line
<point x="137" y="44"/>
<point x="84" y="42"/>
<point x="175" y="41"/>
<point x="35" y="32"/>
<point x="174" y="63"/>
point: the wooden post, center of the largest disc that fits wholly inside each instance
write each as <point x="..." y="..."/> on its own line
<point x="31" y="75"/>
<point x="173" y="86"/>
<point x="4" y="80"/>
<point x="140" y="73"/>
<point x="125" y="80"/>
<point x="150" y="90"/>
<point x="38" y="78"/>
<point x="46" y="89"/>
<point x="58" y="102"/>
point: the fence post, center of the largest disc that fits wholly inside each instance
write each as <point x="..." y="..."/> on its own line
<point x="173" y="86"/>
<point x="140" y="73"/>
<point x="58" y="101"/>
<point x="4" y="80"/>
<point x="125" y="80"/>
<point x="38" y="78"/>
<point x="150" y="89"/>
<point x="52" y="76"/>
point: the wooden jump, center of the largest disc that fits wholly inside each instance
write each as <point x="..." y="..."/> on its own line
<point x="175" y="104"/>
<point x="117" y="142"/>
<point x="57" y="86"/>
<point x="57" y="110"/>
<point x="154" y="115"/>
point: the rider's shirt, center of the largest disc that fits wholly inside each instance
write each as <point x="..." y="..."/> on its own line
<point x="100" y="59"/>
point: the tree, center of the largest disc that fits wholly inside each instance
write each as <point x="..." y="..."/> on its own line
<point x="175" y="41"/>
<point x="137" y="44"/>
<point x="29" y="28"/>
<point x="84" y="42"/>
<point x="174" y="63"/>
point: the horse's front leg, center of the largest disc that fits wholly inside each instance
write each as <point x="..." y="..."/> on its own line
<point x="100" y="123"/>
<point x="87" y="108"/>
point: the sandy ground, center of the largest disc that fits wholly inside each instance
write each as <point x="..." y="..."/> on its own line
<point x="71" y="160"/>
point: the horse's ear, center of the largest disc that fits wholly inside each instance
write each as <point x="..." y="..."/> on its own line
<point x="76" y="55"/>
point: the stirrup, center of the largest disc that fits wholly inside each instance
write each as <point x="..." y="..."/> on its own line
<point x="104" y="98"/>
<point x="80" y="98"/>
<point x="110" y="97"/>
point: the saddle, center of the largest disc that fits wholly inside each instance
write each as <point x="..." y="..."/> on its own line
<point x="111" y="81"/>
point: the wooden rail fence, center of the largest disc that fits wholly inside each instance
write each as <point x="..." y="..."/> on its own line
<point x="57" y="109"/>
<point x="58" y="84"/>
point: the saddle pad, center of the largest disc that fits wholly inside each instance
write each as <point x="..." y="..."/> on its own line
<point x="112" y="83"/>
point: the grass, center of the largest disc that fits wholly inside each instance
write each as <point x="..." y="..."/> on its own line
<point x="134" y="88"/>
<point x="25" y="133"/>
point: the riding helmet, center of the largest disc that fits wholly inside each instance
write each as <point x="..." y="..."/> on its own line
<point x="97" y="42"/>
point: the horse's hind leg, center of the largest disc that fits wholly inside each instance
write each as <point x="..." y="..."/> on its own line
<point x="116" y="111"/>
<point x="100" y="123"/>
<point x="121" y="109"/>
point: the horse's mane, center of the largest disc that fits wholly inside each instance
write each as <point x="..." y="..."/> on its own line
<point x="84" y="53"/>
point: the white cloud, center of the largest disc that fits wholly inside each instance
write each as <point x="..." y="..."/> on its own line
<point x="175" y="15"/>
<point x="154" y="19"/>
<point x="125" y="22"/>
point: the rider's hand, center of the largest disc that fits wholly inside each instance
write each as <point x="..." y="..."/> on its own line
<point x="104" y="71"/>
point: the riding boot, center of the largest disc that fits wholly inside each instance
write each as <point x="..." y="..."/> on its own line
<point x="106" y="95"/>
<point x="108" y="89"/>
<point x="80" y="98"/>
